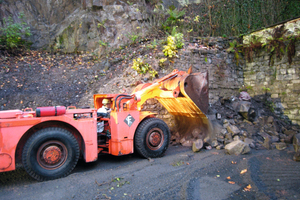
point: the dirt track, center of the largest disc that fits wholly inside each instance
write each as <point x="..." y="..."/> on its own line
<point x="180" y="174"/>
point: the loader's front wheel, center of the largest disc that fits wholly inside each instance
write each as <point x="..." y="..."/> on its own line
<point x="50" y="153"/>
<point x="152" y="138"/>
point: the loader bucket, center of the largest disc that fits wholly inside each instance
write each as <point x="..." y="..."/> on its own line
<point x="189" y="105"/>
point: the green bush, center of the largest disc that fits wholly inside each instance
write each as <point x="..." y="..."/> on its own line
<point x="179" y="40"/>
<point x="12" y="34"/>
<point x="170" y="49"/>
<point x="174" y="16"/>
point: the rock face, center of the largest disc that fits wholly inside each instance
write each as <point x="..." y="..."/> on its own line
<point x="43" y="18"/>
<point x="73" y="26"/>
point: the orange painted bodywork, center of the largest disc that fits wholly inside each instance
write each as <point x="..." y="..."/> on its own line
<point x="16" y="126"/>
<point x="122" y="134"/>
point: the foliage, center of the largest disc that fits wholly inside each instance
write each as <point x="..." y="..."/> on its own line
<point x="130" y="3"/>
<point x="178" y="38"/>
<point x="276" y="45"/>
<point x="101" y="43"/>
<point x="266" y="89"/>
<point x="142" y="67"/>
<point x="174" y="42"/>
<point x="170" y="49"/>
<point x="101" y="24"/>
<point x="153" y="44"/>
<point x="270" y="105"/>
<point x="174" y="16"/>
<point x="234" y="47"/>
<point x="291" y="47"/>
<point x="134" y="37"/>
<point x="177" y="164"/>
<point x="225" y="17"/>
<point x="162" y="60"/>
<point x="254" y="45"/>
<point x="246" y="88"/>
<point x="12" y="33"/>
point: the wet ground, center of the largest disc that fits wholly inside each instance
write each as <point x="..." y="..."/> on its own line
<point x="180" y="174"/>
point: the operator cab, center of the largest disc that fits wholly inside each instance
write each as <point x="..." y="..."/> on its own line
<point x="104" y="105"/>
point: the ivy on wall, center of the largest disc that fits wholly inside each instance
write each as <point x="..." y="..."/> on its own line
<point x="225" y="17"/>
<point x="277" y="45"/>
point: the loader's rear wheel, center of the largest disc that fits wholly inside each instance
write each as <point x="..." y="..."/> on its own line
<point x="50" y="153"/>
<point x="152" y="138"/>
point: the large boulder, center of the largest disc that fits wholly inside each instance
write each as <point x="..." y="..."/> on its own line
<point x="242" y="107"/>
<point x="197" y="145"/>
<point x="280" y="145"/>
<point x="296" y="145"/>
<point x="237" y="147"/>
<point x="233" y="130"/>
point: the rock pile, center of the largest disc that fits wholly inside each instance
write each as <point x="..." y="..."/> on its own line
<point x="238" y="125"/>
<point x="241" y="124"/>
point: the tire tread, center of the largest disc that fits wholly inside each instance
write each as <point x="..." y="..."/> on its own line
<point x="40" y="134"/>
<point x="140" y="137"/>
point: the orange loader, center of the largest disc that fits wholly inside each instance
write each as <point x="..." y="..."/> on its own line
<point x="50" y="140"/>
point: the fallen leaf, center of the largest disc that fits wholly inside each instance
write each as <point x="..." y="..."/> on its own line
<point x="218" y="175"/>
<point x="233" y="162"/>
<point x="188" y="163"/>
<point x="228" y="177"/>
<point x="248" y="188"/>
<point x="243" y="171"/>
<point x="231" y="182"/>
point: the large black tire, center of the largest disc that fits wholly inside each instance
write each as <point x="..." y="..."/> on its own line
<point x="50" y="153"/>
<point x="152" y="138"/>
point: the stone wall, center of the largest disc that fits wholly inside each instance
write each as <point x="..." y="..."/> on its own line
<point x="281" y="80"/>
<point x="209" y="54"/>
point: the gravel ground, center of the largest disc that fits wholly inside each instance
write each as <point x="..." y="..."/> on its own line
<point x="180" y="174"/>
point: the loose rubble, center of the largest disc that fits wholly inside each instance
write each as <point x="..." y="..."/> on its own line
<point x="242" y="124"/>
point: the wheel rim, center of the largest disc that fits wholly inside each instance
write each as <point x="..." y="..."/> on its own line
<point x="154" y="139"/>
<point x="52" y="154"/>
